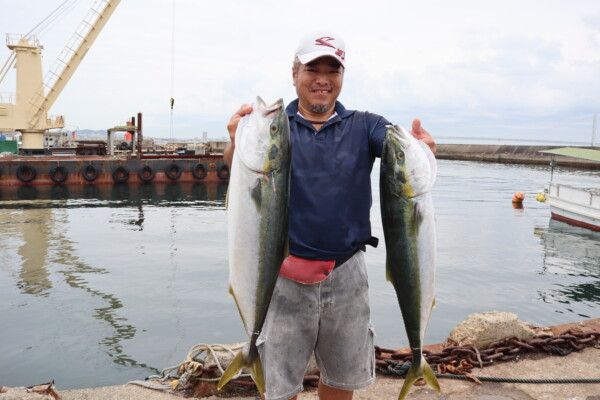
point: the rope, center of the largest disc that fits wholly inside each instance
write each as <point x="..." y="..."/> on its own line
<point x="519" y="380"/>
<point x="401" y="369"/>
<point x="193" y="356"/>
<point x="148" y="385"/>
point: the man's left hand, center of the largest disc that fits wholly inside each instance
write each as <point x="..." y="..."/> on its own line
<point x="421" y="134"/>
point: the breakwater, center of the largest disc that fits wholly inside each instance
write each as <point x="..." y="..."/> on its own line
<point x="510" y="154"/>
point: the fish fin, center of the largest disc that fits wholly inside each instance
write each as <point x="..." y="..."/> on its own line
<point x="238" y="307"/>
<point x="411" y="377"/>
<point x="388" y="274"/>
<point x="286" y="248"/>
<point x="256" y="195"/>
<point x="236" y="365"/>
<point x="430" y="377"/>
<point x="417" y="217"/>
<point x="227" y="198"/>
<point x="416" y="371"/>
<point x="256" y="370"/>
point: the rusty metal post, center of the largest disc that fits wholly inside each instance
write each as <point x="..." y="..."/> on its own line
<point x="132" y="131"/>
<point x="140" y="137"/>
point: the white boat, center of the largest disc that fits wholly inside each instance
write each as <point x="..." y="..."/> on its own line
<point x="574" y="205"/>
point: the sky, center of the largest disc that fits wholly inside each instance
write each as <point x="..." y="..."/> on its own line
<point x="471" y="70"/>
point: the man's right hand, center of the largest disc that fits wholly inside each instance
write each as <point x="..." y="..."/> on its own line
<point x="235" y="119"/>
<point x="245" y="109"/>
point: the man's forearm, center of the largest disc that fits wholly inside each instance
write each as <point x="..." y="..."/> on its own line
<point x="228" y="153"/>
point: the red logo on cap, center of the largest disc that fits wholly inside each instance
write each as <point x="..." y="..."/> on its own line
<point x="324" y="41"/>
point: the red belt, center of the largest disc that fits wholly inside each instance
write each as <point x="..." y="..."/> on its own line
<point x="306" y="271"/>
<point x="309" y="271"/>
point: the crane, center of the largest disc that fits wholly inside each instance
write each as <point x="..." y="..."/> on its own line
<point x="34" y="95"/>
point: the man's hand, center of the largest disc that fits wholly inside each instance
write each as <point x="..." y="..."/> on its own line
<point x="421" y="134"/>
<point x="232" y="127"/>
<point x="235" y="119"/>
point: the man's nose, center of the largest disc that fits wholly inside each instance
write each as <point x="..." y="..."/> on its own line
<point x="322" y="79"/>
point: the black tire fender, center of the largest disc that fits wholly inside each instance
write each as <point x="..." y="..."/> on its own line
<point x="199" y="171"/>
<point x="223" y="172"/>
<point x="58" y="174"/>
<point x="173" y="171"/>
<point x="26" y="173"/>
<point x="89" y="173"/>
<point x="146" y="173"/>
<point x="120" y="174"/>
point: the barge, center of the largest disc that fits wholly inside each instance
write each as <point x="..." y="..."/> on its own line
<point x="134" y="166"/>
<point x="52" y="170"/>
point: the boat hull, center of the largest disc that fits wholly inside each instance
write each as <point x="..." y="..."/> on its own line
<point x="52" y="170"/>
<point x="575" y="206"/>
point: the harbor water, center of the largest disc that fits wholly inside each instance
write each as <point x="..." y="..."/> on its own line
<point x="100" y="285"/>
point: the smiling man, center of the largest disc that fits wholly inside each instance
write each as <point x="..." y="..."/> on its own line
<point x="321" y="302"/>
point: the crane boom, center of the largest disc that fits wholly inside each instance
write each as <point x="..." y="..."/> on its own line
<point x="73" y="54"/>
<point x="34" y="96"/>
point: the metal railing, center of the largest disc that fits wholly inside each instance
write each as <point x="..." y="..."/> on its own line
<point x="14" y="39"/>
<point x="6" y="97"/>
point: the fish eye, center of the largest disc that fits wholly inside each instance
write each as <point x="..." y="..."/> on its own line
<point x="274" y="128"/>
<point x="400" y="156"/>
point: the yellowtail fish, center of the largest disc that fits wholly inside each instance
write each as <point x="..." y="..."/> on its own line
<point x="257" y="210"/>
<point x="408" y="170"/>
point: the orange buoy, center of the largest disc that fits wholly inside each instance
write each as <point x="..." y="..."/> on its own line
<point x="518" y="197"/>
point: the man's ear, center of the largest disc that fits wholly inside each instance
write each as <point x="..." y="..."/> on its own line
<point x="294" y="76"/>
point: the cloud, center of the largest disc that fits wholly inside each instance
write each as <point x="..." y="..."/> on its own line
<point x="472" y="67"/>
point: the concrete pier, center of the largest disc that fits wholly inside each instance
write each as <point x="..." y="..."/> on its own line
<point x="578" y="364"/>
<point x="510" y="154"/>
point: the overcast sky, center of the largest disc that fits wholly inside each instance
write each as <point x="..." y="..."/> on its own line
<point x="503" y="69"/>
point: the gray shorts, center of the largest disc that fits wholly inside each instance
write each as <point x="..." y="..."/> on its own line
<point x="331" y="318"/>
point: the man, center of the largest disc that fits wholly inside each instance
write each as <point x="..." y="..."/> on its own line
<point x="320" y="303"/>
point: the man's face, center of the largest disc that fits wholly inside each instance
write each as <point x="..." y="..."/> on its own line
<point x="318" y="84"/>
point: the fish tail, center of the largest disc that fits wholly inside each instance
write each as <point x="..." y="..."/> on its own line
<point x="256" y="370"/>
<point x="237" y="364"/>
<point x="430" y="377"/>
<point x="419" y="370"/>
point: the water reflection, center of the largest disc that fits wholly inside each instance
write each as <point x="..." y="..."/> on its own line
<point x="35" y="239"/>
<point x="202" y="194"/>
<point x="572" y="251"/>
<point x="32" y="231"/>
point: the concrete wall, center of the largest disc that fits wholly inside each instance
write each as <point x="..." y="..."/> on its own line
<point x="509" y="154"/>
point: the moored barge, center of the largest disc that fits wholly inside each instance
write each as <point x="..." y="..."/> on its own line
<point x="50" y="169"/>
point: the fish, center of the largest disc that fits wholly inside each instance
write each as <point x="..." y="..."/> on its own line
<point x="257" y="219"/>
<point x="407" y="174"/>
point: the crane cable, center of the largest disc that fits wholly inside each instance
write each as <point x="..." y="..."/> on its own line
<point x="45" y="24"/>
<point x="37" y="30"/>
<point x="172" y="101"/>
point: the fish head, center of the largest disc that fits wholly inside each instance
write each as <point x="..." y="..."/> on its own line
<point x="262" y="138"/>
<point x="407" y="162"/>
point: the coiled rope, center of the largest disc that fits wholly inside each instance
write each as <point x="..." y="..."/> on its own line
<point x="194" y="365"/>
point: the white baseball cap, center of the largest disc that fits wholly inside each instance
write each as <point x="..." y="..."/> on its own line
<point x="321" y="44"/>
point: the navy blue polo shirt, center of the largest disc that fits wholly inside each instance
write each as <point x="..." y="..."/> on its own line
<point x="330" y="188"/>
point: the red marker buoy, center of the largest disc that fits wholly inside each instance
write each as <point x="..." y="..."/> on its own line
<point x="518" y="197"/>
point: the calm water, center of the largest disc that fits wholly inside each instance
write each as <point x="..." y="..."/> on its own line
<point x="102" y="285"/>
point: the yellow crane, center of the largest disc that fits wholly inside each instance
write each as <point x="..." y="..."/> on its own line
<point x="28" y="113"/>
